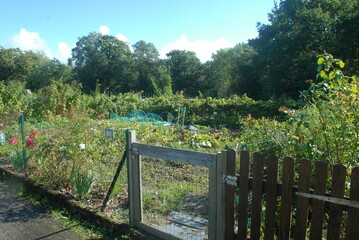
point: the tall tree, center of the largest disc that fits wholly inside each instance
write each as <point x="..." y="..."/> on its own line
<point x="186" y="71"/>
<point x="148" y="67"/>
<point x="16" y="64"/>
<point x="161" y="80"/>
<point x="287" y="47"/>
<point x="105" y="60"/>
<point x="347" y="35"/>
<point x="47" y="71"/>
<point x="219" y="74"/>
<point x="245" y="76"/>
<point x="231" y="72"/>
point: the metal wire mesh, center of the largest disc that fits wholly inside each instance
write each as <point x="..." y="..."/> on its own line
<point x="175" y="198"/>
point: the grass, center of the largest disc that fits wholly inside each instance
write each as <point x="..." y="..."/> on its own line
<point x="173" y="187"/>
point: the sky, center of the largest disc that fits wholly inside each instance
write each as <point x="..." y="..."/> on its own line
<point x="54" y="26"/>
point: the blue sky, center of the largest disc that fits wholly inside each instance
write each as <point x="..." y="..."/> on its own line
<point x="54" y="26"/>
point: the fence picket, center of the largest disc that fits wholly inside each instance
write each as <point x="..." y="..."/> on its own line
<point x="320" y="183"/>
<point x="286" y="198"/>
<point x="229" y="196"/>
<point x="336" y="211"/>
<point x="302" y="202"/>
<point x="243" y="195"/>
<point x="353" y="213"/>
<point x="271" y="197"/>
<point x="257" y="190"/>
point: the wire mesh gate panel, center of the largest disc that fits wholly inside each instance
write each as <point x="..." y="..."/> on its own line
<point x="175" y="197"/>
<point x="173" y="193"/>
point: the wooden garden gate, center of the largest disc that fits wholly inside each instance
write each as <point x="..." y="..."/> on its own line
<point x="261" y="202"/>
<point x="214" y="163"/>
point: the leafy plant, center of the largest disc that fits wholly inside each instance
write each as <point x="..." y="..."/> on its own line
<point x="333" y="102"/>
<point x="18" y="161"/>
<point x="81" y="182"/>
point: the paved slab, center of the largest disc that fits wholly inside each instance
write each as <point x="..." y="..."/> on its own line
<point x="19" y="219"/>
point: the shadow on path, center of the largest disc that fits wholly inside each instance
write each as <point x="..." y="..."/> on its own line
<point x="19" y="219"/>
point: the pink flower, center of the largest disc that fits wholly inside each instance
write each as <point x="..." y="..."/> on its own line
<point x="30" y="143"/>
<point x="34" y="134"/>
<point x="13" y="140"/>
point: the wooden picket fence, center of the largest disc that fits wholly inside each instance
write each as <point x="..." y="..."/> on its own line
<point x="302" y="200"/>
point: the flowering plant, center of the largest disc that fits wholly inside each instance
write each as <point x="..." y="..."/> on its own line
<point x="30" y="142"/>
<point x="19" y="158"/>
<point x="12" y="140"/>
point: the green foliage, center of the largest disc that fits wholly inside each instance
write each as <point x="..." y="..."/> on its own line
<point x="333" y="112"/>
<point x="98" y="106"/>
<point x="18" y="160"/>
<point x="185" y="70"/>
<point x="162" y="82"/>
<point x="297" y="32"/>
<point x="275" y="64"/>
<point x="18" y="65"/>
<point x="231" y="72"/>
<point x="81" y="182"/>
<point x="47" y="71"/>
<point x="57" y="99"/>
<point x="13" y="97"/>
<point x="151" y="75"/>
<point x="103" y="59"/>
<point x="326" y="128"/>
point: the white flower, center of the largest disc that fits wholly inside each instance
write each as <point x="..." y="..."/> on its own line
<point x="82" y="146"/>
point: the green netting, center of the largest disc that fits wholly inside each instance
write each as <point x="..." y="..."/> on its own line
<point x="141" y="116"/>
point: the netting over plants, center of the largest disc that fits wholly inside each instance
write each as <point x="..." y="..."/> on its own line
<point x="141" y="116"/>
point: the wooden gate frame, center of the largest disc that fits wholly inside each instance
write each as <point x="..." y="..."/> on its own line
<point x="216" y="163"/>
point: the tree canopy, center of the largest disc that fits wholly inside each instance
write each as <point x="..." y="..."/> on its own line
<point x="105" y="60"/>
<point x="279" y="62"/>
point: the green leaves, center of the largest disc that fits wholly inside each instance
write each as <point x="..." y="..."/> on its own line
<point x="334" y="121"/>
<point x="320" y="61"/>
<point x="341" y="64"/>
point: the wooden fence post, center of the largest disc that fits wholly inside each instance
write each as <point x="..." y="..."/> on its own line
<point x="336" y="211"/>
<point x="229" y="196"/>
<point x="134" y="180"/>
<point x="271" y="197"/>
<point x="305" y="171"/>
<point x="353" y="213"/>
<point x="257" y="191"/>
<point x="286" y="198"/>
<point x="220" y="195"/>
<point x="320" y="187"/>
<point x="243" y="195"/>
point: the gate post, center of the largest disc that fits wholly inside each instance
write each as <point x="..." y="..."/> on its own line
<point x="220" y="206"/>
<point x="134" y="180"/>
<point x="226" y="166"/>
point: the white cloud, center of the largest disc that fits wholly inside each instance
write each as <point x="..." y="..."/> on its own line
<point x="63" y="52"/>
<point x="104" y="30"/>
<point x="122" y="37"/>
<point x="27" y="40"/>
<point x="203" y="48"/>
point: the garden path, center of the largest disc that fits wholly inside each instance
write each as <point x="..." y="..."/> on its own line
<point x="20" y="219"/>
